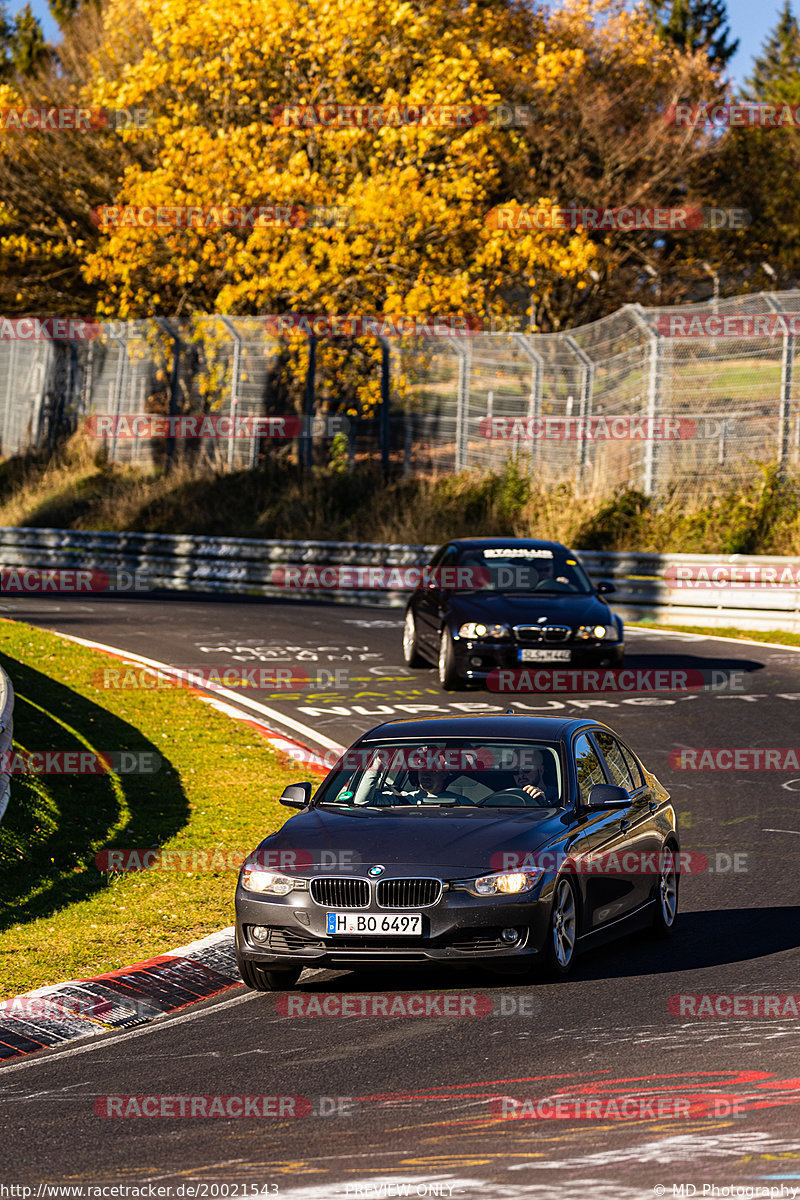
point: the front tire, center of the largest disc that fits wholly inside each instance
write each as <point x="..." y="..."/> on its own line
<point x="562" y="930"/>
<point x="263" y="979"/>
<point x="449" y="678"/>
<point x="666" y="895"/>
<point x="411" y="654"/>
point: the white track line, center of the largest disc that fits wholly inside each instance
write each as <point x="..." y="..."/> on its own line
<point x="213" y="688"/>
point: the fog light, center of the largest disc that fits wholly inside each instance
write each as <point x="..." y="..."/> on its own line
<point x="260" y="933"/>
<point x="509" y="936"/>
<point x="474" y="661"/>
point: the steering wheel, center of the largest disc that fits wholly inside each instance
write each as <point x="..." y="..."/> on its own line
<point x="511" y="796"/>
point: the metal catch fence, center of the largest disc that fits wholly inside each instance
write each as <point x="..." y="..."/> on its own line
<point x="635" y="399"/>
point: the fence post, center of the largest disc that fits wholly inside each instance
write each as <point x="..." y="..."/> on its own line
<point x="305" y="453"/>
<point x="654" y="374"/>
<point x="462" y="406"/>
<point x="236" y="367"/>
<point x="12" y="363"/>
<point x="384" y="429"/>
<point x="584" y="405"/>
<point x="787" y="374"/>
<point x="119" y="384"/>
<point x="174" y="383"/>
<point x="535" y="398"/>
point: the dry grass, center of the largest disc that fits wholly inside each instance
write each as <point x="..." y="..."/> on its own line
<point x="78" y="489"/>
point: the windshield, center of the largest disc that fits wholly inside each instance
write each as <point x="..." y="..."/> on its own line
<point x="523" y="569"/>
<point x="452" y="774"/>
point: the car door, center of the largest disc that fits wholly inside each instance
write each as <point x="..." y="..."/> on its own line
<point x="599" y="842"/>
<point x="433" y="600"/>
<point x="642" y="838"/>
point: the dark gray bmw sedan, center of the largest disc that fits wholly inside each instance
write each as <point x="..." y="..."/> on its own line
<point x="508" y="841"/>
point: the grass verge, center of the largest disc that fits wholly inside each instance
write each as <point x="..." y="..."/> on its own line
<point x="216" y="789"/>
<point x="775" y="637"/>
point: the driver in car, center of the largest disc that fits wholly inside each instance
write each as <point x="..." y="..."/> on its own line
<point x="529" y="776"/>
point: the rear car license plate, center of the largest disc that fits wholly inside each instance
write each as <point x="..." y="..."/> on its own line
<point x="527" y="655"/>
<point x="376" y="924"/>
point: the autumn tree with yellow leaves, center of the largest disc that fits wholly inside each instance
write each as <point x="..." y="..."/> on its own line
<point x="594" y="77"/>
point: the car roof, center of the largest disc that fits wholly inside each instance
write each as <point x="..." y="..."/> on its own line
<point x="479" y="543"/>
<point x="510" y="726"/>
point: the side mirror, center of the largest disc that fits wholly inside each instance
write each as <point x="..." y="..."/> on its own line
<point x="605" y="587"/>
<point x="607" y="795"/>
<point x="296" y="795"/>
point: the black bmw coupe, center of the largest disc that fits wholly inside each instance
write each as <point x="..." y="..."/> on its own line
<point x="509" y="841"/>
<point x="488" y="603"/>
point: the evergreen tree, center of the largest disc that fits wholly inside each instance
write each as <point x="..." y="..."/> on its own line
<point x="776" y="72"/>
<point x="29" y="50"/>
<point x="63" y="11"/>
<point x="6" y="44"/>
<point x="696" y="25"/>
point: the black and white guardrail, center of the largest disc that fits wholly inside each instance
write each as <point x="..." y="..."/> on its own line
<point x="6" y="734"/>
<point x="759" y="592"/>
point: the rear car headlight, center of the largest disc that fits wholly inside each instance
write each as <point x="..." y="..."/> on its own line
<point x="474" y="629"/>
<point x="599" y="633"/>
<point x="507" y="883"/>
<point x="268" y="882"/>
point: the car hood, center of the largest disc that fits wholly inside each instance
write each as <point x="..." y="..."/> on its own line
<point x="520" y="609"/>
<point x="410" y="839"/>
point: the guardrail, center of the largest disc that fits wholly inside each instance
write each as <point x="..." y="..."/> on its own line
<point x="6" y="734"/>
<point x="660" y="587"/>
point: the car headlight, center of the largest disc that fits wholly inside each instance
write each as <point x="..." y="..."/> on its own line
<point x="473" y="629"/>
<point x="598" y="633"/>
<point x="507" y="883"/>
<point x="267" y="882"/>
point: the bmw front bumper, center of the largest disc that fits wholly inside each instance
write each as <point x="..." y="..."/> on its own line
<point x="458" y="928"/>
<point x="475" y="659"/>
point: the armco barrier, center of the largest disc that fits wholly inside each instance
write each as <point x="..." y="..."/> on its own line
<point x="6" y="733"/>
<point x="144" y="562"/>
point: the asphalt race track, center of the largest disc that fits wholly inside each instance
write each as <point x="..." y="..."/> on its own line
<point x="417" y="1101"/>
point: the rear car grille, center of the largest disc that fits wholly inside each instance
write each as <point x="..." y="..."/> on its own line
<point x="344" y="893"/>
<point x="542" y="633"/>
<point x="408" y="893"/>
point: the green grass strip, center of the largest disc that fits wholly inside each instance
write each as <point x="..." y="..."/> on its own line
<point x="216" y="790"/>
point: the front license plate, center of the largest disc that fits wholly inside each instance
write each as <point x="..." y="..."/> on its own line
<point x="545" y="655"/>
<point x="379" y="925"/>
